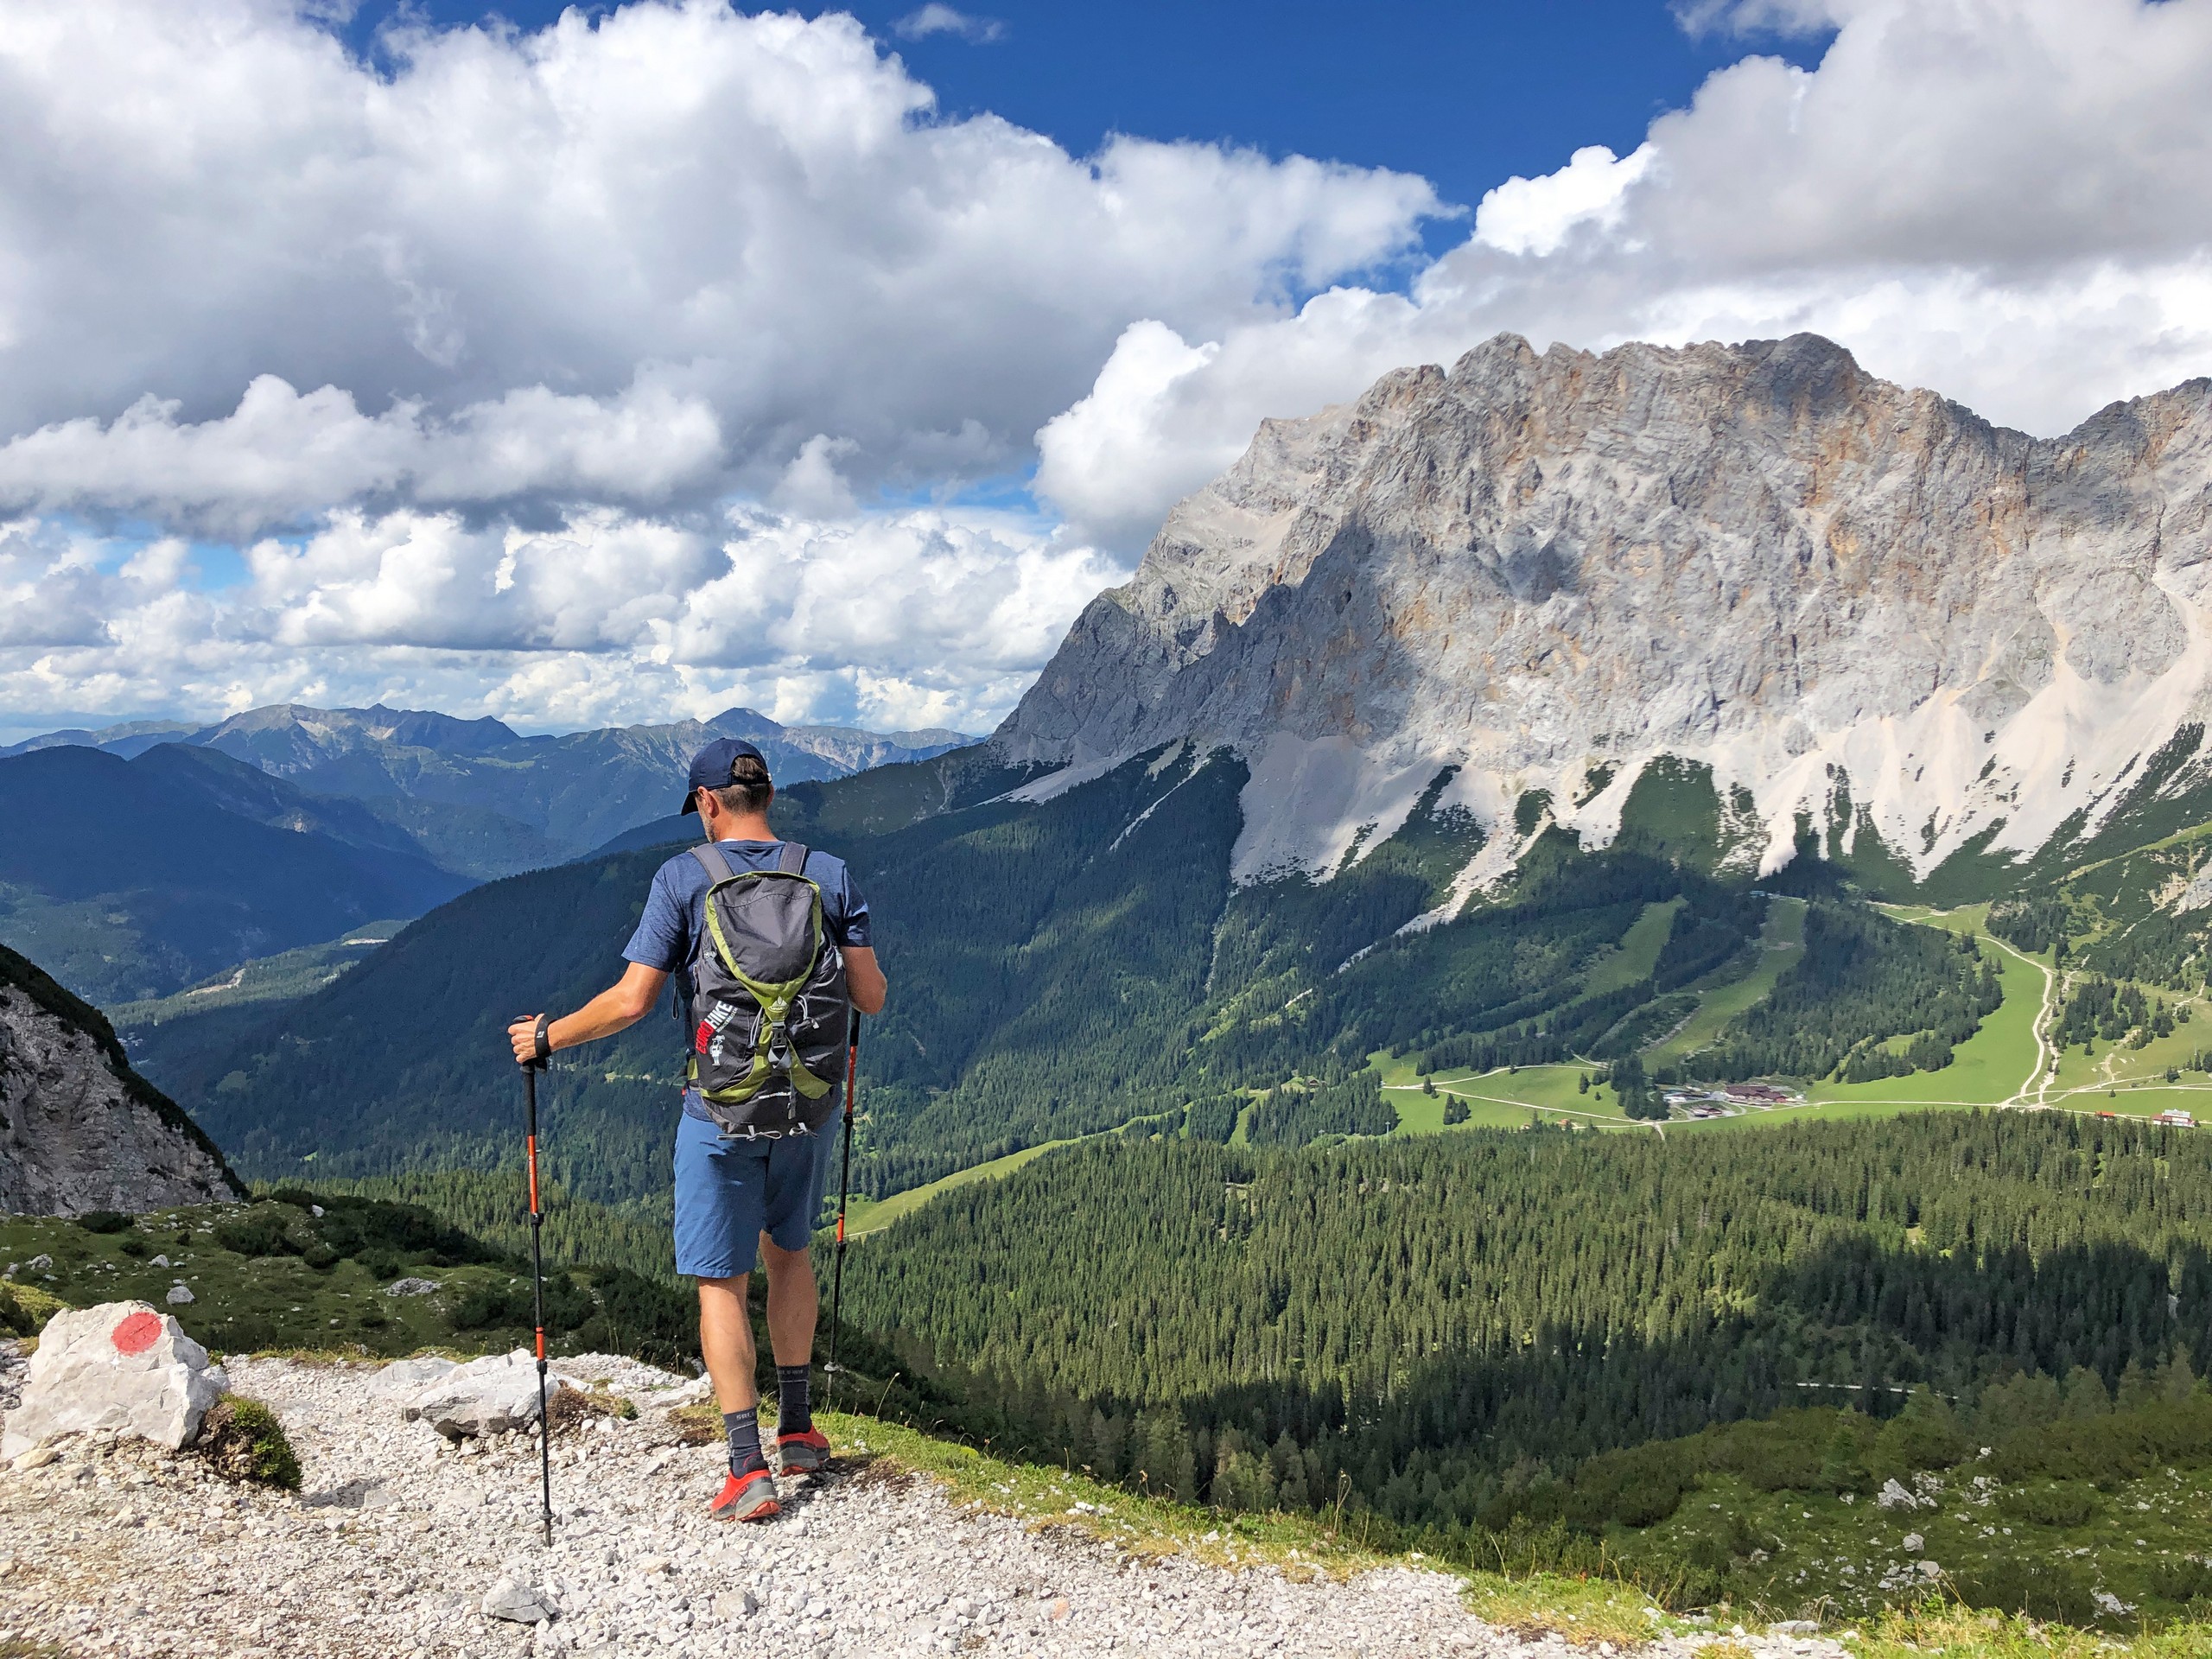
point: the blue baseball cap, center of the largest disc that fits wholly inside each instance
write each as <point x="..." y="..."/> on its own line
<point x="712" y="765"/>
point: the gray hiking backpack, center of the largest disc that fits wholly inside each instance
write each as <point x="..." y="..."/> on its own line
<point x="769" y="999"/>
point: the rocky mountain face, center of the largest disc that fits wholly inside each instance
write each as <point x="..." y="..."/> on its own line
<point x="1866" y="611"/>
<point x="80" y="1130"/>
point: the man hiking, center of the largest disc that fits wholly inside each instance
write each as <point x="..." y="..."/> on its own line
<point x="769" y="945"/>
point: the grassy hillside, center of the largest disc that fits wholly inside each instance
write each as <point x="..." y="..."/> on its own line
<point x="299" y="1270"/>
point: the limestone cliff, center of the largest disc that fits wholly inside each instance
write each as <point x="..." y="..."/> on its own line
<point x="1861" y="605"/>
<point x="80" y="1130"/>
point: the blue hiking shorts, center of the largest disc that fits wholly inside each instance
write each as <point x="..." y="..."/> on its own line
<point x="729" y="1192"/>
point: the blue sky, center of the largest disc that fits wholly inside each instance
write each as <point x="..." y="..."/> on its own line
<point x="1465" y="94"/>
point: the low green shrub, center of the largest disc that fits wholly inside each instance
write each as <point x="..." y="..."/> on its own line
<point x="2050" y="1503"/>
<point x="104" y="1221"/>
<point x="242" y="1440"/>
<point x="24" y="1309"/>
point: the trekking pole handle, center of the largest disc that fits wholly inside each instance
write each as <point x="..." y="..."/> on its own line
<point x="544" y="1040"/>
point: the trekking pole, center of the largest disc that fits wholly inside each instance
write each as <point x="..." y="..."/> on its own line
<point x="529" y="1070"/>
<point x="844" y="1184"/>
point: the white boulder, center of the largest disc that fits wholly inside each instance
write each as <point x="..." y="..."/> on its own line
<point x="523" y="1604"/>
<point x="122" y="1367"/>
<point x="405" y="1378"/>
<point x="492" y="1395"/>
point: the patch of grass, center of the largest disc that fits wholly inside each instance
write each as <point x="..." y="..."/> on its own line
<point x="1300" y="1545"/>
<point x="1637" y="953"/>
<point x="864" y="1216"/>
<point x="1940" y="1627"/>
<point x="1584" y="1611"/>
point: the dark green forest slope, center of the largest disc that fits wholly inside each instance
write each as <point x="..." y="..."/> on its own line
<point x="243" y="865"/>
<point x="1430" y="1325"/>
<point x="1064" y="968"/>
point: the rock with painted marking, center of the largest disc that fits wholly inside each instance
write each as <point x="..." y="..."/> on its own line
<point x="122" y="1367"/>
<point x="493" y="1395"/>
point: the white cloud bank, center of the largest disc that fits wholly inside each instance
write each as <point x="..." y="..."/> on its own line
<point x="2009" y="200"/>
<point x="905" y="619"/>
<point x="471" y="358"/>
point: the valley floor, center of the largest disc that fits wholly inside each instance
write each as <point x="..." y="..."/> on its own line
<point x="396" y="1538"/>
<point x="2008" y="1062"/>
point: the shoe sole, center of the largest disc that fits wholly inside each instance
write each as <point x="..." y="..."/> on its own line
<point x="767" y="1510"/>
<point x="809" y="1463"/>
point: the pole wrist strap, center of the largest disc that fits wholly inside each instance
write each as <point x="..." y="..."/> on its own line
<point x="544" y="1037"/>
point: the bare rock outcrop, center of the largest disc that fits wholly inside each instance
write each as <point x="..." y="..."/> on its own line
<point x="1850" y="600"/>
<point x="80" y="1130"/>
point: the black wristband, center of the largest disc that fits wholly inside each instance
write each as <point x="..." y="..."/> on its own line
<point x="544" y="1037"/>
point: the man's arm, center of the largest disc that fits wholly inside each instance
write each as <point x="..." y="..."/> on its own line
<point x="864" y="979"/>
<point x="616" y="1009"/>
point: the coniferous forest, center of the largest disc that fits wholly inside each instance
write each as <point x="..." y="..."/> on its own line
<point x="1422" y="1327"/>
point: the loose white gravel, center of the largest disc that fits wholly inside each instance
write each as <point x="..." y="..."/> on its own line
<point x="396" y="1539"/>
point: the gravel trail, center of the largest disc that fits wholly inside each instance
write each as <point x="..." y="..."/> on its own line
<point x="396" y="1538"/>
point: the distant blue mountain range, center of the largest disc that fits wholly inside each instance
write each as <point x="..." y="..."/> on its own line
<point x="137" y="859"/>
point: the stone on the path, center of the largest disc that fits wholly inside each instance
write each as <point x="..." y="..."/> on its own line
<point x="409" y="1376"/>
<point x="523" y="1604"/>
<point x="492" y="1395"/>
<point x="121" y="1367"/>
<point x="1794" y="1627"/>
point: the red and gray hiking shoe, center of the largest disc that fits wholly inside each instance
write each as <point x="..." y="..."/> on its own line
<point x="749" y="1496"/>
<point x="802" y="1454"/>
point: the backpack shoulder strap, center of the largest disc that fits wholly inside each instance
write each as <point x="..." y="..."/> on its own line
<point x="793" y="859"/>
<point x="710" y="856"/>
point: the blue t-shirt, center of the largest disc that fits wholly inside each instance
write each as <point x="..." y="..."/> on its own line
<point x="676" y="915"/>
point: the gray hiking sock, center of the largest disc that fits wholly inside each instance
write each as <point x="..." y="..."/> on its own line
<point x="744" y="1430"/>
<point x="794" y="1412"/>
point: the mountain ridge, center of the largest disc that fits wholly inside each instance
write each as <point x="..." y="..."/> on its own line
<point x="1865" y="611"/>
<point x="482" y="799"/>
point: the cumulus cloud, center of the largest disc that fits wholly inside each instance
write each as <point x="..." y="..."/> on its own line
<point x="915" y="618"/>
<point x="2009" y="200"/>
<point x="249" y="275"/>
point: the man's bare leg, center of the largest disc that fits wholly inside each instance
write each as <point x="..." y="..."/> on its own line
<point x="726" y="1340"/>
<point x="793" y="1303"/>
